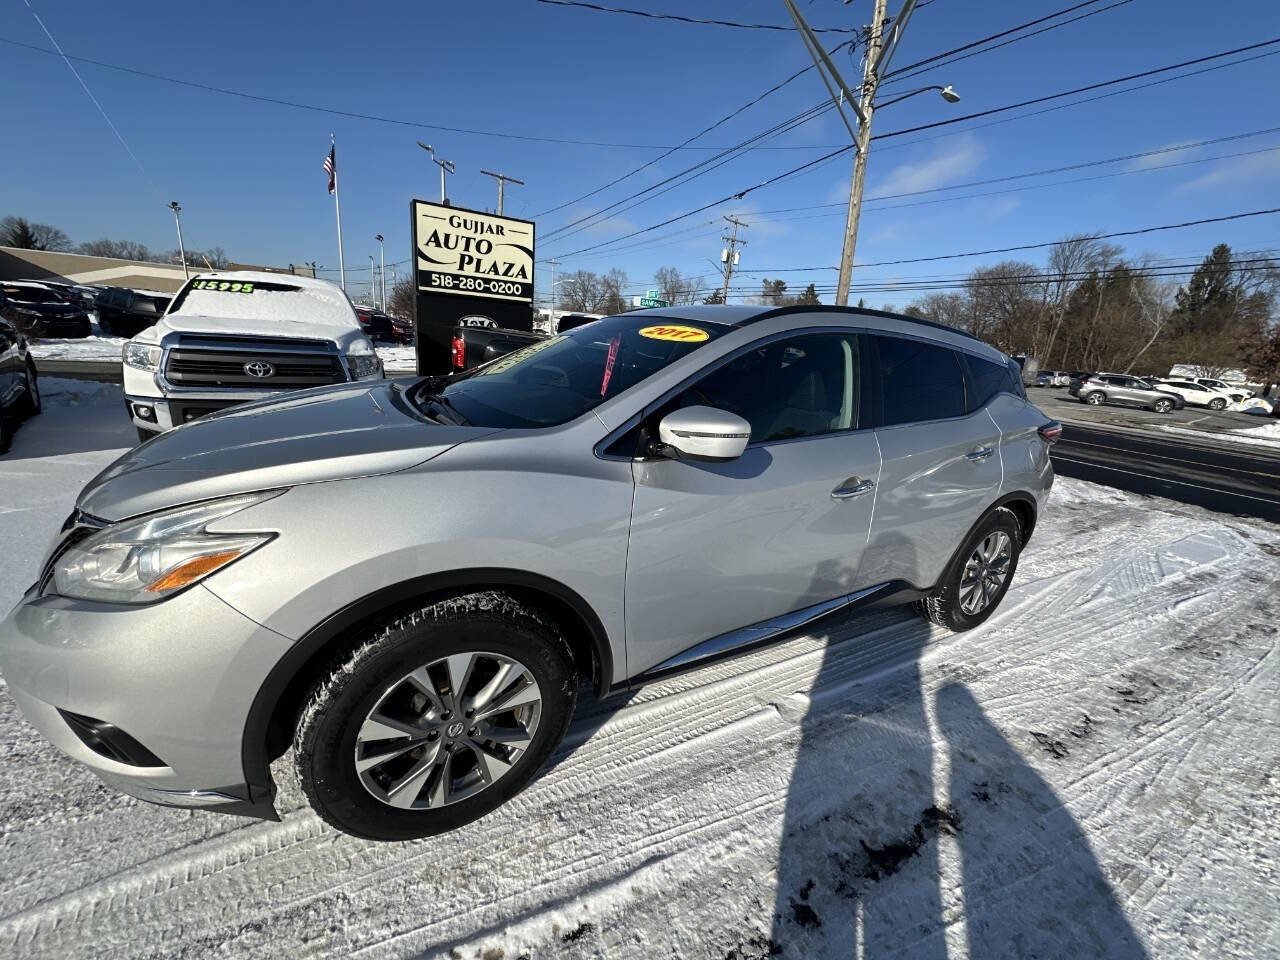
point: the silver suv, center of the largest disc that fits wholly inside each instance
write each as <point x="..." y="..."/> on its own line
<point x="1099" y="388"/>
<point x="407" y="580"/>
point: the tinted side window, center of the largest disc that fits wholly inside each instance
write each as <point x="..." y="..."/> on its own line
<point x="919" y="381"/>
<point x="986" y="379"/>
<point x="800" y="387"/>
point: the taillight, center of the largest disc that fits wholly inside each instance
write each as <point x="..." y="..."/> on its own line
<point x="1051" y="431"/>
<point x="459" y="352"/>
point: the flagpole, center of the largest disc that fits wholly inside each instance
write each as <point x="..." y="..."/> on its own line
<point x="337" y="209"/>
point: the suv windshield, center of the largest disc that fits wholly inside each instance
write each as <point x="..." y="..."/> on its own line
<point x="33" y="295"/>
<point x="554" y="380"/>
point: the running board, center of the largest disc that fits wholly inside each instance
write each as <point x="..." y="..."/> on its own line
<point x="778" y="628"/>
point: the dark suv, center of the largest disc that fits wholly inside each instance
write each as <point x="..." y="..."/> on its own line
<point x="40" y="311"/>
<point x="126" y="313"/>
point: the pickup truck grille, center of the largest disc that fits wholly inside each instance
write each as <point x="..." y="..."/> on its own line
<point x="228" y="362"/>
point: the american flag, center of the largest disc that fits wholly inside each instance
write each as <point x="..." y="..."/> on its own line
<point x="331" y="167"/>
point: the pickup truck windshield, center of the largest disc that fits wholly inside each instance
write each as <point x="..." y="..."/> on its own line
<point x="266" y="301"/>
<point x="554" y="380"/>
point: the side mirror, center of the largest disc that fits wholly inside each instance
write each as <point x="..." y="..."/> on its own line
<point x="705" y="433"/>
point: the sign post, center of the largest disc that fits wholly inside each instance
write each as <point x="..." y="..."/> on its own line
<point x="468" y="264"/>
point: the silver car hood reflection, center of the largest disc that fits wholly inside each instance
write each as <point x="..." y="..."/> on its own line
<point x="328" y="433"/>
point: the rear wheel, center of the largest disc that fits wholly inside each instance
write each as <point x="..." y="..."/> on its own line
<point x="435" y="719"/>
<point x="104" y="325"/>
<point x="1218" y="404"/>
<point x="1162" y="406"/>
<point x="1095" y="398"/>
<point x="30" y="404"/>
<point x="978" y="576"/>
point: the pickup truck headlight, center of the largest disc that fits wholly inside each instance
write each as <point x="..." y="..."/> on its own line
<point x="150" y="558"/>
<point x="363" y="362"/>
<point x="144" y="356"/>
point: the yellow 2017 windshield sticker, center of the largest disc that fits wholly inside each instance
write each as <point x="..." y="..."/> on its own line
<point x="676" y="332"/>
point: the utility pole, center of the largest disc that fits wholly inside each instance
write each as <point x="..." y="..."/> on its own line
<point x="880" y="49"/>
<point x="502" y="179"/>
<point x="551" y="310"/>
<point x="382" y="273"/>
<point x="444" y="165"/>
<point x="730" y="255"/>
<point x="182" y="251"/>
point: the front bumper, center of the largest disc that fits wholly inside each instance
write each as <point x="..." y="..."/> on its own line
<point x="177" y="676"/>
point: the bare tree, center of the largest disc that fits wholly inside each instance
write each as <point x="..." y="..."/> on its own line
<point x="675" y="287"/>
<point x="1070" y="261"/>
<point x="120" y="250"/>
<point x="584" y="291"/>
<point x="400" y="301"/>
<point x="1155" y="301"/>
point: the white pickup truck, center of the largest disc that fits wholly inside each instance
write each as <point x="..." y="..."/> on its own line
<point x="232" y="337"/>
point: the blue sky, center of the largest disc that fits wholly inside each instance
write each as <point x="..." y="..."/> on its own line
<point x="249" y="176"/>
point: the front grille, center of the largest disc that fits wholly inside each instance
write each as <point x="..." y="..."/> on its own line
<point x="225" y="362"/>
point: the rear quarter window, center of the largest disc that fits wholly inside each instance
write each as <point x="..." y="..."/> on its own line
<point x="919" y="381"/>
<point x="986" y="380"/>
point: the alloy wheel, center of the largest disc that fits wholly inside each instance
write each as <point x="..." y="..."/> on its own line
<point x="985" y="572"/>
<point x="448" y="730"/>
<point x="1094" y="398"/>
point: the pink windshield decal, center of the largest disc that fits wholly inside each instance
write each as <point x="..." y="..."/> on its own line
<point x="608" y="364"/>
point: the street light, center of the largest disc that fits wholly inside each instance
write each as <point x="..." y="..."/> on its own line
<point x="182" y="252"/>
<point x="382" y="253"/>
<point x="445" y="165"/>
<point x="948" y="94"/>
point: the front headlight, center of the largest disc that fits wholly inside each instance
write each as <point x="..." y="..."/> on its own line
<point x="153" y="557"/>
<point x="144" y="356"/>
<point x="362" y="361"/>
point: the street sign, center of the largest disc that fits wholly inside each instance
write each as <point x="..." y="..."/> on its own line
<point x="651" y="299"/>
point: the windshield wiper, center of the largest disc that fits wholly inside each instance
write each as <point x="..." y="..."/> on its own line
<point x="454" y="416"/>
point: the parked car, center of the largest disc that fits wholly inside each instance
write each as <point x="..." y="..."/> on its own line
<point x="19" y="382"/>
<point x="1196" y="394"/>
<point x="1120" y="388"/>
<point x="74" y="293"/>
<point x="705" y="479"/>
<point x="126" y="313"/>
<point x="1235" y="393"/>
<point x="231" y="337"/>
<point x="474" y="345"/>
<point x="37" y="310"/>
<point x="375" y="324"/>
<point x="402" y="329"/>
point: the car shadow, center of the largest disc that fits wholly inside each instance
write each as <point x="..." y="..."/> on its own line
<point x="868" y="836"/>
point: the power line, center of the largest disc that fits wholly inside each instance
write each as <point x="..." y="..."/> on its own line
<point x="648" y="14"/>
<point x="1031" y="246"/>
<point x="997" y="36"/>
<point x="837" y="152"/>
<point x="725" y="119"/>
<point x="1084" y="89"/>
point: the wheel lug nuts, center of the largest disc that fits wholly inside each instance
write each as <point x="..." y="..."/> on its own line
<point x="473" y="731"/>
<point x="433" y="735"/>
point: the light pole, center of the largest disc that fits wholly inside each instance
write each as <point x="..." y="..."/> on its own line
<point x="382" y="273"/>
<point x="373" y="284"/>
<point x="445" y="166"/>
<point x="182" y="251"/>
<point x="551" y="310"/>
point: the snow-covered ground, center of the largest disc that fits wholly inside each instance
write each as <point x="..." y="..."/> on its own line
<point x="1092" y="773"/>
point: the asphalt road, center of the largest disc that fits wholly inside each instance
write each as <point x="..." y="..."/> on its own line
<point x="1241" y="480"/>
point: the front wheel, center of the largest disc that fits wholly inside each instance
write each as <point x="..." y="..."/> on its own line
<point x="435" y="719"/>
<point x="1162" y="406"/>
<point x="1217" y="404"/>
<point x="978" y="576"/>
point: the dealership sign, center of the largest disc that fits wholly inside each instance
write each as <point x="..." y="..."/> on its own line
<point x="469" y="254"/>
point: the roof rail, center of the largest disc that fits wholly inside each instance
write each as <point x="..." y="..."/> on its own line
<point x="865" y="311"/>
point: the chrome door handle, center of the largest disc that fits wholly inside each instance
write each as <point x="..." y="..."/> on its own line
<point x="853" y="487"/>
<point x="982" y="453"/>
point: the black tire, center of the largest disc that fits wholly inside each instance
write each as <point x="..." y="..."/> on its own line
<point x="1162" y="406"/>
<point x="104" y="326"/>
<point x="1094" y="398"/>
<point x="6" y="431"/>
<point x="145" y="435"/>
<point x="1218" y="404"/>
<point x="325" y="739"/>
<point x="30" y="405"/>
<point x="943" y="607"/>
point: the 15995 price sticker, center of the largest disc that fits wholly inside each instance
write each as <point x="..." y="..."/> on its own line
<point x="448" y="281"/>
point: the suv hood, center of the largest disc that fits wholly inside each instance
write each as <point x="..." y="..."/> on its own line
<point x="327" y="433"/>
<point x="282" y="326"/>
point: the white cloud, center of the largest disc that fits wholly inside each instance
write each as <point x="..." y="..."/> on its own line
<point x="1235" y="173"/>
<point x="947" y="164"/>
<point x="1171" y="153"/>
